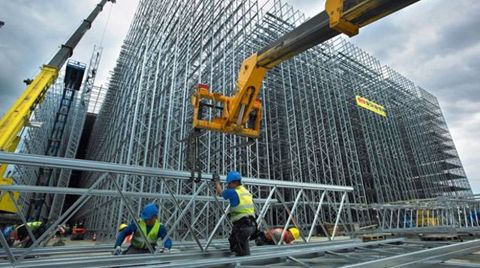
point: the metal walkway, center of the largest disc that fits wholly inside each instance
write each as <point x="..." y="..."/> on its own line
<point x="397" y="252"/>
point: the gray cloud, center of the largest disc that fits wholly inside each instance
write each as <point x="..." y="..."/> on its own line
<point x="34" y="30"/>
<point x="436" y="44"/>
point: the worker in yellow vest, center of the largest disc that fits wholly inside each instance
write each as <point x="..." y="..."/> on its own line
<point x="152" y="229"/>
<point x="20" y="234"/>
<point x="242" y="212"/>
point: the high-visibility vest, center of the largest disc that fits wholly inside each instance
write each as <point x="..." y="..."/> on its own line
<point x="34" y="225"/>
<point x="245" y="205"/>
<point x="152" y="236"/>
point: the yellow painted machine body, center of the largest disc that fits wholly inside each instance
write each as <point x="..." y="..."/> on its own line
<point x="18" y="115"/>
<point x="237" y="110"/>
<point x="241" y="114"/>
<point x="16" y="118"/>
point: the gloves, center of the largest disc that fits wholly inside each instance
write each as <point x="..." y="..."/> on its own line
<point x="117" y="251"/>
<point x="215" y="177"/>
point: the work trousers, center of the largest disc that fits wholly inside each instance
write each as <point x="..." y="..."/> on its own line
<point x="241" y="232"/>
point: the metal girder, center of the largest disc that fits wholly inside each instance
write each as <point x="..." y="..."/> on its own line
<point x="433" y="255"/>
<point x="198" y="259"/>
<point x="81" y="191"/>
<point x="89" y="165"/>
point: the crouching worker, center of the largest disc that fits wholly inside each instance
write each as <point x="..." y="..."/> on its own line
<point x="20" y="234"/>
<point x="152" y="229"/>
<point x="242" y="212"/>
<point x="272" y="236"/>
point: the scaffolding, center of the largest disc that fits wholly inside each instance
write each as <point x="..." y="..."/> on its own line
<point x="313" y="130"/>
<point x="323" y="162"/>
<point x="55" y="129"/>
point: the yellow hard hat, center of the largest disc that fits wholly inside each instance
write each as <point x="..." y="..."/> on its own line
<point x="295" y="232"/>
<point x="122" y="226"/>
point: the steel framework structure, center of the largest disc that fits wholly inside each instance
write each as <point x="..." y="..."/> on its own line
<point x="200" y="233"/>
<point x="313" y="131"/>
<point x="43" y="129"/>
<point x="199" y="216"/>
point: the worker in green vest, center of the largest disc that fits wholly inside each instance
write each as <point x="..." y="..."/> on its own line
<point x="242" y="212"/>
<point x="150" y="226"/>
<point x="20" y="234"/>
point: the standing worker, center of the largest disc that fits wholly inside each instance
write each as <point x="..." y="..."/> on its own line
<point x="150" y="227"/>
<point x="241" y="213"/>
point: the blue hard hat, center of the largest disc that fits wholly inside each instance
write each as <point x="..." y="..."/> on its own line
<point x="233" y="176"/>
<point x="149" y="211"/>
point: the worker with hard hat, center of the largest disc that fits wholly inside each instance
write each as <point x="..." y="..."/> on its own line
<point x="151" y="228"/>
<point x="241" y="213"/>
<point x="20" y="234"/>
<point x="273" y="236"/>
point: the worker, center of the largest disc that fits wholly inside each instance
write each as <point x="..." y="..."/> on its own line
<point x="273" y="235"/>
<point x="241" y="213"/>
<point x="150" y="227"/>
<point x="20" y="234"/>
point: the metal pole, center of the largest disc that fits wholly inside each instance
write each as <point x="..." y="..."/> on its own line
<point x="61" y="218"/>
<point x="199" y="215"/>
<point x="338" y="215"/>
<point x="290" y="216"/>
<point x="265" y="206"/>
<point x="210" y="238"/>
<point x="184" y="211"/>
<point x="317" y="213"/>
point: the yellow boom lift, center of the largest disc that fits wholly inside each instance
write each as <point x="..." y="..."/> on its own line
<point x="241" y="114"/>
<point x="17" y="117"/>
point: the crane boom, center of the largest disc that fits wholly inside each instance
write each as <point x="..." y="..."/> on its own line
<point x="241" y="114"/>
<point x="18" y="115"/>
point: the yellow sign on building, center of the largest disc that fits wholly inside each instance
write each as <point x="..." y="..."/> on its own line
<point x="370" y="105"/>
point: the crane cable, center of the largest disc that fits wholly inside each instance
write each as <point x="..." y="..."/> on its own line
<point x="106" y="25"/>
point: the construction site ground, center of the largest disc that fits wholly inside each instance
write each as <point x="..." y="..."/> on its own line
<point x="343" y="252"/>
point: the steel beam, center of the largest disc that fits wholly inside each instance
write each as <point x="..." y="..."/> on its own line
<point x="431" y="256"/>
<point x="97" y="166"/>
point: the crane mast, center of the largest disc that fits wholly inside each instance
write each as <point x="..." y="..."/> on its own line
<point x="17" y="117"/>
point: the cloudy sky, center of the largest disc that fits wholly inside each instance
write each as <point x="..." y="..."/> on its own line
<point x="435" y="43"/>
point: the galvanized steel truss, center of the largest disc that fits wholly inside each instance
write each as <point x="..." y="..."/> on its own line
<point x="313" y="131"/>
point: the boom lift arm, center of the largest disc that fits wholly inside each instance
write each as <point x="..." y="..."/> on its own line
<point x="241" y="114"/>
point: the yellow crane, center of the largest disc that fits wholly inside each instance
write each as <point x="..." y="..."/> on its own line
<point x="18" y="115"/>
<point x="241" y="114"/>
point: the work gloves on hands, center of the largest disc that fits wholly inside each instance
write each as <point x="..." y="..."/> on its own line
<point x="215" y="178"/>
